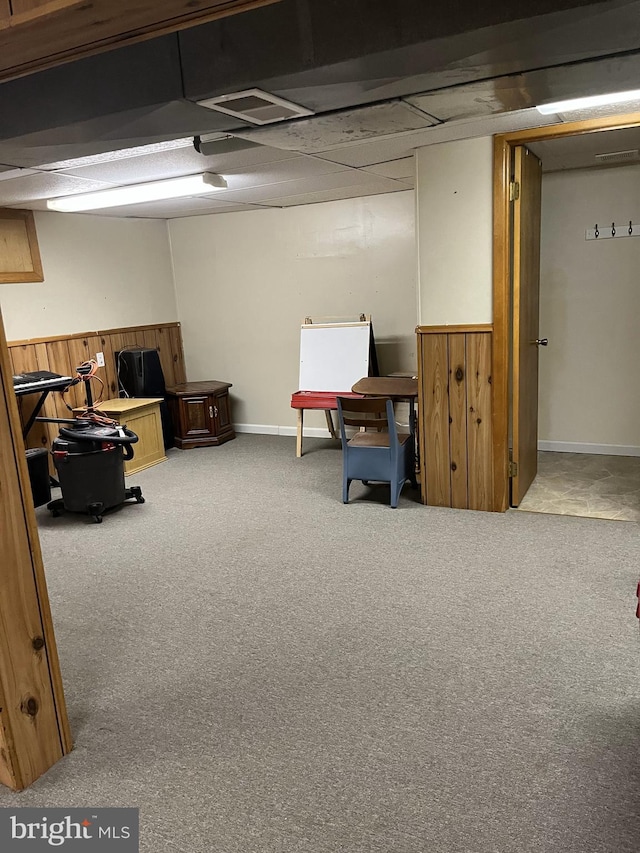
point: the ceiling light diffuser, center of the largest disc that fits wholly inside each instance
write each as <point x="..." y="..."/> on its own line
<point x="587" y="102"/>
<point x="138" y="193"/>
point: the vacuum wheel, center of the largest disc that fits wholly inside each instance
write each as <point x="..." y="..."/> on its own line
<point x="56" y="507"/>
<point x="135" y="492"/>
<point x="95" y="511"/>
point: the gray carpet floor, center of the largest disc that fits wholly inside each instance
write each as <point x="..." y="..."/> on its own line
<point x="258" y="667"/>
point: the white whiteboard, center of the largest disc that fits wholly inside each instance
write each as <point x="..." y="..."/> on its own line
<point x="333" y="357"/>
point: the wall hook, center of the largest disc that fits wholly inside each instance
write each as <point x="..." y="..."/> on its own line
<point x="597" y="233"/>
<point x="613" y="229"/>
<point x="630" y="228"/>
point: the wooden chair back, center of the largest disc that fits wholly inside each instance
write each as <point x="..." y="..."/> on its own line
<point x="367" y="412"/>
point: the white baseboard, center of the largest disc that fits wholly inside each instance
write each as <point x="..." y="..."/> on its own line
<point x="557" y="446"/>
<point x="274" y="429"/>
<point x="598" y="449"/>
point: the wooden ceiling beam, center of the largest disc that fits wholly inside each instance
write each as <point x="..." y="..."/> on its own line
<point x="39" y="34"/>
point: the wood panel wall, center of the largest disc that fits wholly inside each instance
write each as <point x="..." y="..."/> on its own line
<point x="34" y="729"/>
<point x="454" y="409"/>
<point x="63" y="354"/>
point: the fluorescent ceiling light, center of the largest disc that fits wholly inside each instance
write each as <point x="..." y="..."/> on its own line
<point x="138" y="193"/>
<point x="591" y="101"/>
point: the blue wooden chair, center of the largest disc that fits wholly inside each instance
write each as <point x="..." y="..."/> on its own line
<point x="379" y="453"/>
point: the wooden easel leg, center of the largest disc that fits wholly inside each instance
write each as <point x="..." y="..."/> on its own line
<point x="330" y="426"/>
<point x="299" y="434"/>
<point x="34" y="729"/>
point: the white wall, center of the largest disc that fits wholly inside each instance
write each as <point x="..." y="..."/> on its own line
<point x="454" y="228"/>
<point x="589" y="310"/>
<point x="100" y="273"/>
<point x="245" y="281"/>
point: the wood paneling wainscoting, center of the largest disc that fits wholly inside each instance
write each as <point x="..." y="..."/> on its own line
<point x="63" y="354"/>
<point x="455" y="411"/>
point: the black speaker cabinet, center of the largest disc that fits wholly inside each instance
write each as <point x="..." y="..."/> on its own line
<point x="140" y="375"/>
<point x="140" y="372"/>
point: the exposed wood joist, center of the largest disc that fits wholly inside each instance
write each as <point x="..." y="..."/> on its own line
<point x="38" y="34"/>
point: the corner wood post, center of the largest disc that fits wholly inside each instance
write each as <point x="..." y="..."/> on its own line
<point x="34" y="729"/>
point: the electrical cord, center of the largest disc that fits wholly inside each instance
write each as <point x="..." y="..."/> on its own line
<point x="85" y="373"/>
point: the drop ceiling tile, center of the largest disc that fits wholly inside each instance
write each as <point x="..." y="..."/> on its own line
<point x="8" y="173"/>
<point x="480" y="98"/>
<point x="604" y="111"/>
<point x="170" y="164"/>
<point x="363" y="154"/>
<point x="490" y="125"/>
<point x="43" y="185"/>
<point x="405" y="167"/>
<point x="284" y="170"/>
<point x="325" y="131"/>
<point x="173" y="208"/>
<point x="333" y="195"/>
<point x="303" y="186"/>
<point x="579" y="152"/>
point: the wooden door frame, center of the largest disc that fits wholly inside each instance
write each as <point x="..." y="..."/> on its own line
<point x="502" y="307"/>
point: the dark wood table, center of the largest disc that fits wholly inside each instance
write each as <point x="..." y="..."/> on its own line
<point x="400" y="389"/>
<point x="397" y="388"/>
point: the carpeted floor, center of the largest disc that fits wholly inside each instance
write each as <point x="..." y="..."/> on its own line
<point x="261" y="669"/>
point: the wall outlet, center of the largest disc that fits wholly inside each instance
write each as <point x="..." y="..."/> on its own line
<point x="100" y="359"/>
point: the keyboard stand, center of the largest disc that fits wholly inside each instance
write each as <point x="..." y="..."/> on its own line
<point x="44" y="392"/>
<point x="34" y="414"/>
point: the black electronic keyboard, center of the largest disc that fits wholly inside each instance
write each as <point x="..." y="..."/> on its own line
<point x="39" y="380"/>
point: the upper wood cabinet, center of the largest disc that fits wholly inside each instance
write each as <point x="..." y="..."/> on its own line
<point x="19" y="253"/>
<point x="37" y="34"/>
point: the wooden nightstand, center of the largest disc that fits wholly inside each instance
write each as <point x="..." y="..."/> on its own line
<point x="201" y="413"/>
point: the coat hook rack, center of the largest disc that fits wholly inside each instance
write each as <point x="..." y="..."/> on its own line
<point x="607" y="233"/>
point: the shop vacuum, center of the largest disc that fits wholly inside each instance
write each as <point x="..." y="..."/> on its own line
<point x="89" y="456"/>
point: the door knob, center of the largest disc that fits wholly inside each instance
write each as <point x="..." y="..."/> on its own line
<point x="541" y="342"/>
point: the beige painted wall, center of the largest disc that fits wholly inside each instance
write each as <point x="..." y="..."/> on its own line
<point x="589" y="310"/>
<point x="454" y="231"/>
<point x="100" y="273"/>
<point x="245" y="281"/>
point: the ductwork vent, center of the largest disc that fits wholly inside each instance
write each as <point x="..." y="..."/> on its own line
<point x="619" y="156"/>
<point x="255" y="106"/>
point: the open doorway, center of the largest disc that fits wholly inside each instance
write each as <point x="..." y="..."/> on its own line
<point x="588" y="408"/>
<point x="586" y="412"/>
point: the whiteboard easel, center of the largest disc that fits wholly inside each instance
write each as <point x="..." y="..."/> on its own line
<point x="333" y="356"/>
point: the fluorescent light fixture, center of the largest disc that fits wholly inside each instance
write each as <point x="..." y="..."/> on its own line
<point x="590" y="101"/>
<point x="138" y="193"/>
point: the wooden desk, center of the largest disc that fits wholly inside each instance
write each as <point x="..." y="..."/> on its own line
<point x="398" y="388"/>
<point x="142" y="416"/>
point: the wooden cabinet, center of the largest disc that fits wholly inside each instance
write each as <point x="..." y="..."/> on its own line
<point x="19" y="253"/>
<point x="201" y="414"/>
<point x="142" y="416"/>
